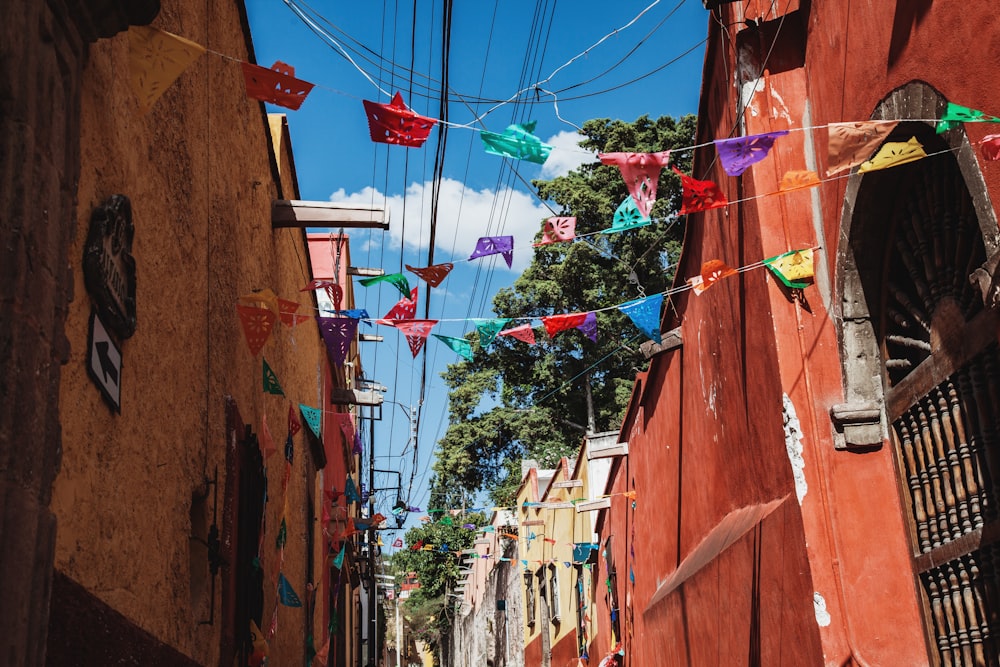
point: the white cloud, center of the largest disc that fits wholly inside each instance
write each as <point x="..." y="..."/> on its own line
<point x="464" y="215"/>
<point x="566" y="155"/>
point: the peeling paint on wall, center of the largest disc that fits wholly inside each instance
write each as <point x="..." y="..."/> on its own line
<point x="822" y="615"/>
<point x="793" y="445"/>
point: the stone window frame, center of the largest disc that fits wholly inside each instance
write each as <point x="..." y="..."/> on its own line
<point x="860" y="422"/>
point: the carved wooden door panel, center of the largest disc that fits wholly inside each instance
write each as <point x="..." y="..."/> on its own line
<point x="941" y="365"/>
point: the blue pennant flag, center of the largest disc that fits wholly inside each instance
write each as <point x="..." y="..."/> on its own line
<point x="286" y="594"/>
<point x="645" y="314"/>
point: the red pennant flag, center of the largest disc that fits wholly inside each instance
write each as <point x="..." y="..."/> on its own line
<point x="416" y="332"/>
<point x="418" y="546"/>
<point x="558" y="229"/>
<point x="405" y="309"/>
<point x="523" y="333"/>
<point x="346" y="425"/>
<point x="395" y="124"/>
<point x="257" y="325"/>
<point x="317" y="284"/>
<point x="699" y="195"/>
<point x="294" y="425"/>
<point x="556" y="323"/>
<point x="990" y="147"/>
<point x="277" y="85"/>
<point x="641" y="172"/>
<point x="432" y="275"/>
<point x="287" y="311"/>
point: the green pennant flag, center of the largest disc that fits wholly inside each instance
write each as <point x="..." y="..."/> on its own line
<point x="955" y="114"/>
<point x="271" y="384"/>
<point x="313" y="419"/>
<point x="489" y="330"/>
<point x="397" y="280"/>
<point x="459" y="345"/>
<point x="446" y="520"/>
<point x="282" y="538"/>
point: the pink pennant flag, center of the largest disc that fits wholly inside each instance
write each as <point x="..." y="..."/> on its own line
<point x="397" y="543"/>
<point x="699" y="195"/>
<point x="294" y="425"/>
<point x="641" y="172"/>
<point x="523" y="333"/>
<point x="850" y="144"/>
<point x="492" y="245"/>
<point x="558" y="229"/>
<point x="405" y="309"/>
<point x="266" y="442"/>
<point x="416" y="332"/>
<point x="346" y="423"/>
<point x="556" y="323"/>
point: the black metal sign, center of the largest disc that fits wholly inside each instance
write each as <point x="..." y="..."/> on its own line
<point x="108" y="265"/>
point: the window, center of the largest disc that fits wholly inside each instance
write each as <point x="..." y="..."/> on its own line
<point x="529" y="599"/>
<point x="554" y="593"/>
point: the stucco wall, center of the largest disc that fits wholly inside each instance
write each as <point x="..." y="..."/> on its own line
<point x="200" y="179"/>
<point x="482" y="635"/>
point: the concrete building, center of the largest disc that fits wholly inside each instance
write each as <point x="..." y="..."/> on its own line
<point x="815" y="468"/>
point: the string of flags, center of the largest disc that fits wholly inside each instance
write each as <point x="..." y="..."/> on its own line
<point x="157" y="58"/>
<point x="794" y="269"/>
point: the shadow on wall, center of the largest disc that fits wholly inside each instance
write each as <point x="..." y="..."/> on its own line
<point x="909" y="14"/>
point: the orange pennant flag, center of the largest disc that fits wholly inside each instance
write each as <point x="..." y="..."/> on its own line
<point x="156" y="59"/>
<point x="797" y="180"/>
<point x="850" y="144"/>
<point x="712" y="272"/>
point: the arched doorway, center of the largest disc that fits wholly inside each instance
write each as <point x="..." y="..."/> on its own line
<point x="918" y="343"/>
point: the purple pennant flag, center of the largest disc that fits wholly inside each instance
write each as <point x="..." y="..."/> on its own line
<point x="338" y="334"/>
<point x="357" y="444"/>
<point x="645" y="314"/>
<point x="589" y="326"/>
<point x="738" y="153"/>
<point x="491" y="245"/>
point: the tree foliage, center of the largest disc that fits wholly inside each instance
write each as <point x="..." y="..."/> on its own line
<point x="537" y="401"/>
<point x="428" y="608"/>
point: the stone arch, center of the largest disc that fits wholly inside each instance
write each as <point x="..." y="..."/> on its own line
<point x="859" y="423"/>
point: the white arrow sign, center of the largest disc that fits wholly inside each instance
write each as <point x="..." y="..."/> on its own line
<point x="104" y="362"/>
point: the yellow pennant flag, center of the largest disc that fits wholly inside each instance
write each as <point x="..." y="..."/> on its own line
<point x="156" y="59"/>
<point x="265" y="298"/>
<point x="894" y="154"/>
<point x="850" y="144"/>
<point x="793" y="268"/>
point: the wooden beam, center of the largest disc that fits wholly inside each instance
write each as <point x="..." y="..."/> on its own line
<point x="620" y="449"/>
<point x="355" y="397"/>
<point x="669" y="340"/>
<point x="594" y="505"/>
<point x="364" y="272"/>
<point x="568" y="484"/>
<point x="369" y="338"/>
<point x="298" y="213"/>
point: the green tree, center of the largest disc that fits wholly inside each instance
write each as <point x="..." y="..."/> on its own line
<point x="436" y="563"/>
<point x="538" y="401"/>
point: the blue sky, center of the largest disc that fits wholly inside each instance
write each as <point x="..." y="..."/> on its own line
<point x="601" y="59"/>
